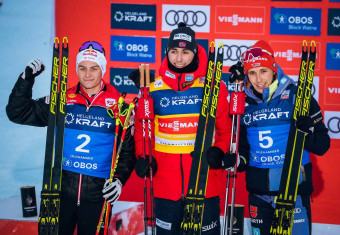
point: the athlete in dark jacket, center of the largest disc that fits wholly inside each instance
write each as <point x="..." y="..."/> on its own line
<point x="88" y="138"/>
<point x="264" y="134"/>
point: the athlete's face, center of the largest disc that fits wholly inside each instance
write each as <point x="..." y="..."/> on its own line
<point x="90" y="75"/>
<point x="260" y="78"/>
<point x="180" y="57"/>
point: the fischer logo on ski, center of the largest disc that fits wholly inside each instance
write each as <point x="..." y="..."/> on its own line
<point x="285" y="202"/>
<point x="194" y="202"/>
<point x="48" y="221"/>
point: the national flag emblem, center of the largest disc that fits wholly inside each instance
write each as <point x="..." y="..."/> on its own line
<point x="182" y="44"/>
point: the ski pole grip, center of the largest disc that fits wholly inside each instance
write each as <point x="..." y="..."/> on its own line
<point x="237" y="103"/>
<point x="145" y="109"/>
<point x="141" y="74"/>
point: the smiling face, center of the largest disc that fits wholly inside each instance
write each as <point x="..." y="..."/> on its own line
<point x="90" y="75"/>
<point x="260" y="78"/>
<point x="180" y="57"/>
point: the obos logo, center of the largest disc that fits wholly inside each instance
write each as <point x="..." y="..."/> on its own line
<point x="294" y="21"/>
<point x="133" y="49"/>
<point x="240" y="20"/>
<point x="196" y="17"/>
<point x="142" y="17"/>
<point x="288" y="54"/>
<point x="315" y="89"/>
<point x="333" y="56"/>
<point x="333" y="21"/>
<point x="332" y="92"/>
<point x="332" y="122"/>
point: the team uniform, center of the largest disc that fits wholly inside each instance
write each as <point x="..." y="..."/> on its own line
<point x="177" y="99"/>
<point x="263" y="138"/>
<point x="88" y="147"/>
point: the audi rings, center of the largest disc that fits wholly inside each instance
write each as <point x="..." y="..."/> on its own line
<point x="233" y="52"/>
<point x="191" y="18"/>
<point x="336" y="127"/>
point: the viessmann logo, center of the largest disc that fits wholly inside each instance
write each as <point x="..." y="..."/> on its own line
<point x="295" y="21"/>
<point x="332" y="90"/>
<point x="288" y="54"/>
<point x="240" y="20"/>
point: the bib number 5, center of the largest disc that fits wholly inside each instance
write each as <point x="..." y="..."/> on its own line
<point x="265" y="141"/>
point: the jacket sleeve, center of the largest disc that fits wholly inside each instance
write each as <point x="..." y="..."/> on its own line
<point x="22" y="109"/>
<point x="223" y="121"/>
<point x="127" y="158"/>
<point x="319" y="141"/>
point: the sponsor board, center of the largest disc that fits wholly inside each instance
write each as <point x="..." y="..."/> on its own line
<point x="315" y="88"/>
<point x="133" y="49"/>
<point x="295" y="21"/>
<point x="133" y="16"/>
<point x="333" y="56"/>
<point x="240" y="20"/>
<point x="288" y="54"/>
<point x="120" y="80"/>
<point x="333" y="21"/>
<point x="195" y="16"/>
<point x="233" y="49"/>
<point x="332" y="91"/>
<point x="332" y="122"/>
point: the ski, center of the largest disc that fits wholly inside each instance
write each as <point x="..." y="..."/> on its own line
<point x="194" y="202"/>
<point x="285" y="202"/>
<point x="50" y="195"/>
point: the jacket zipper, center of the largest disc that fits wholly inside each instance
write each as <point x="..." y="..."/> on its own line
<point x="182" y="174"/>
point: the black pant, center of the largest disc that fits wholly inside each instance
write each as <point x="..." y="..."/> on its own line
<point x="86" y="216"/>
<point x="261" y="208"/>
<point x="169" y="216"/>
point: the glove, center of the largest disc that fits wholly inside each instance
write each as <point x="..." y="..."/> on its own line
<point x="237" y="72"/>
<point x="135" y="77"/>
<point x="229" y="160"/>
<point x="214" y="157"/>
<point x="33" y="69"/>
<point x="142" y="166"/>
<point x="305" y="124"/>
<point x="112" y="190"/>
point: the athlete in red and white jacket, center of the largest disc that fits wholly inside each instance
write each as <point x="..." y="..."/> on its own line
<point x="177" y="96"/>
<point x="88" y="138"/>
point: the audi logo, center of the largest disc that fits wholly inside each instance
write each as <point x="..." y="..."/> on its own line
<point x="333" y="125"/>
<point x="233" y="52"/>
<point x="313" y="88"/>
<point x="191" y="18"/>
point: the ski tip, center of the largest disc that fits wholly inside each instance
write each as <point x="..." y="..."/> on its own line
<point x="313" y="46"/>
<point x="304" y="45"/>
<point x="65" y="42"/>
<point x="56" y="42"/>
<point x="212" y="44"/>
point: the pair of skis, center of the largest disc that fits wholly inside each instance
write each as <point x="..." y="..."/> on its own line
<point x="237" y="105"/>
<point x="194" y="202"/>
<point x="145" y="104"/>
<point x="285" y="203"/>
<point x="115" y="112"/>
<point x="50" y="195"/>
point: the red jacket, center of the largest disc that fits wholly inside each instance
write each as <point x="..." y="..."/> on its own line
<point x="172" y="177"/>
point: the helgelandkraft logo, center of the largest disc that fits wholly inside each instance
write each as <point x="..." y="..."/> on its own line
<point x="333" y="56"/>
<point x="133" y="16"/>
<point x="133" y="49"/>
<point x="119" y="78"/>
<point x="333" y="21"/>
<point x="295" y="21"/>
